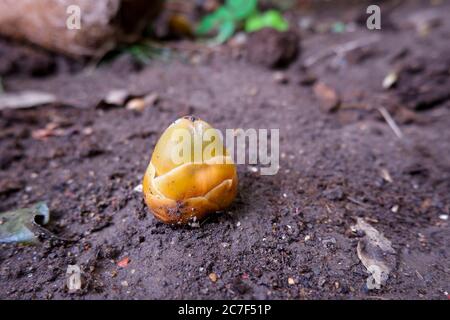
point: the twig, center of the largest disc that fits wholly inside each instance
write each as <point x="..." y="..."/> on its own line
<point x="362" y="204"/>
<point x="390" y="121"/>
<point x="46" y="233"/>
<point x="340" y="50"/>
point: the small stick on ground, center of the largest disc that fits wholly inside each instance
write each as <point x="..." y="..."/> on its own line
<point x="362" y="204"/>
<point x="340" y="50"/>
<point x="390" y="121"/>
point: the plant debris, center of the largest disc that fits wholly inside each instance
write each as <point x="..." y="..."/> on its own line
<point x="124" y="262"/>
<point x="376" y="254"/>
<point x="327" y="96"/>
<point x="25" y="99"/>
<point x="23" y="225"/>
<point x="50" y="130"/>
<point x="228" y="18"/>
<point x="74" y="281"/>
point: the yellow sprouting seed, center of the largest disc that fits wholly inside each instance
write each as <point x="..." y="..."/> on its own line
<point x="190" y="173"/>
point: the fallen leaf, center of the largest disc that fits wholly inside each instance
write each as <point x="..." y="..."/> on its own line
<point x="22" y="225"/>
<point x="73" y="282"/>
<point x="25" y="99"/>
<point x="327" y="96"/>
<point x="376" y="254"/>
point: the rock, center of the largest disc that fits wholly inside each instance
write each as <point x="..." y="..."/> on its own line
<point x="116" y="97"/>
<point x="213" y="277"/>
<point x="280" y="77"/>
<point x="139" y="104"/>
<point x="52" y="24"/>
<point x="390" y="80"/>
<point x="334" y="194"/>
<point x="271" y="48"/>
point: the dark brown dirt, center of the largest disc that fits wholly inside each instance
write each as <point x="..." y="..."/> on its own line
<point x="272" y="49"/>
<point x="296" y="224"/>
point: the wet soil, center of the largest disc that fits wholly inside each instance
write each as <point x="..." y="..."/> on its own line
<point x="286" y="236"/>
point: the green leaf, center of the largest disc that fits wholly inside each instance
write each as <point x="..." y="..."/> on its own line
<point x="222" y="20"/>
<point x="226" y="30"/>
<point x="241" y="9"/>
<point x="207" y="24"/>
<point x="269" y="19"/>
<point x="21" y="225"/>
<point x="254" y="23"/>
<point x="212" y="21"/>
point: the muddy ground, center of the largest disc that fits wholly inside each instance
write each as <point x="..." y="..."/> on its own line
<point x="286" y="236"/>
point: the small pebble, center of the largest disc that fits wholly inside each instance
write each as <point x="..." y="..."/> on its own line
<point x="137" y="104"/>
<point x="334" y="194"/>
<point x="213" y="277"/>
<point x="280" y="77"/>
<point x="390" y="80"/>
<point x="253" y="169"/>
<point x="116" y="97"/>
<point x="87" y="131"/>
